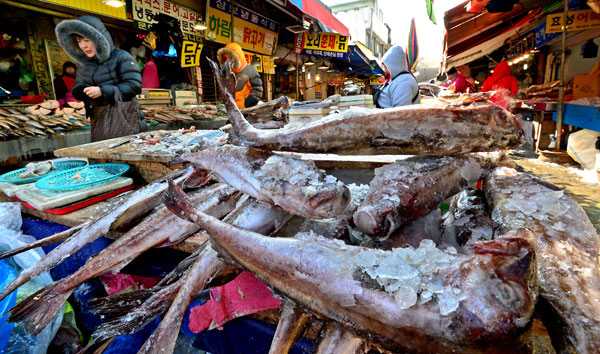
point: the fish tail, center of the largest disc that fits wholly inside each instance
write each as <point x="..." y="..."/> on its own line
<point x="38" y="309"/>
<point x="178" y="202"/>
<point x="120" y="304"/>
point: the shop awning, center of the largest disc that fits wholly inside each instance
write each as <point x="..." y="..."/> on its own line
<point x="361" y="60"/>
<point x="471" y="36"/>
<point x="316" y="10"/>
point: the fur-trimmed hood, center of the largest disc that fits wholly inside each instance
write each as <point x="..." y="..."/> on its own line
<point x="89" y="27"/>
<point x="234" y="51"/>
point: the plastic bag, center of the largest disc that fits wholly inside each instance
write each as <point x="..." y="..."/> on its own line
<point x="581" y="146"/>
<point x="11" y="237"/>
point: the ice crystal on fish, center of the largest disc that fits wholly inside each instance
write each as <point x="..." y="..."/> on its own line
<point x="407" y="272"/>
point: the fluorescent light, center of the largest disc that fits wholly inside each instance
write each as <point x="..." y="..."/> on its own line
<point x="525" y="66"/>
<point x="199" y="25"/>
<point x="114" y="3"/>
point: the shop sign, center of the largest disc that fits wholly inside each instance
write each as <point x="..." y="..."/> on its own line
<point x="335" y="79"/>
<point x="576" y="20"/>
<point x="541" y="37"/>
<point x="142" y="12"/>
<point x="250" y="30"/>
<point x="93" y="6"/>
<point x="324" y="44"/>
<point x="377" y="81"/>
<point x="268" y="65"/>
<point x="190" y="54"/>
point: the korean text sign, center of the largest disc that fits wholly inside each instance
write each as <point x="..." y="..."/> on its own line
<point x="190" y="54"/>
<point x="576" y="20"/>
<point x="330" y="45"/>
<point x="144" y="11"/>
<point x="251" y="30"/>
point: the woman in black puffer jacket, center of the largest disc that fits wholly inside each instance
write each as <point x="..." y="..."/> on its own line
<point x="104" y="72"/>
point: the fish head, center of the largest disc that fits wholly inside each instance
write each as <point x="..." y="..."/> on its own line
<point x="512" y="258"/>
<point x="329" y="202"/>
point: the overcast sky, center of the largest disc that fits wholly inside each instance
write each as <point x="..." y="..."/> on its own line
<point x="397" y="15"/>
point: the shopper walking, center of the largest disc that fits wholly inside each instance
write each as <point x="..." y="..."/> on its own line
<point x="108" y="79"/>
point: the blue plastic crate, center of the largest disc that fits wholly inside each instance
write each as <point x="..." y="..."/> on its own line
<point x="587" y="117"/>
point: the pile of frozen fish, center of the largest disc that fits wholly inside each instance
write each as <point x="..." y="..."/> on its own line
<point x="378" y="265"/>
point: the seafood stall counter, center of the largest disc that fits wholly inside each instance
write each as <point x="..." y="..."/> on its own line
<point x="368" y="257"/>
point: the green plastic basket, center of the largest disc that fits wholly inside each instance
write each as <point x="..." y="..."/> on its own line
<point x="78" y="178"/>
<point x="13" y="176"/>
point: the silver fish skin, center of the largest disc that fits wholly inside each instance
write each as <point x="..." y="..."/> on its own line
<point x="467" y="221"/>
<point x="37" y="310"/>
<point x="137" y="204"/>
<point x="291" y="184"/>
<point x="409" y="189"/>
<point x="492" y="292"/>
<point x="408" y="130"/>
<point x="567" y="254"/>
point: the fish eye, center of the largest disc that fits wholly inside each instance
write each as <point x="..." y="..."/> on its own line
<point x="508" y="295"/>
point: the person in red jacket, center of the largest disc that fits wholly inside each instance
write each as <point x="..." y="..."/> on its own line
<point x="64" y="83"/>
<point x="503" y="83"/>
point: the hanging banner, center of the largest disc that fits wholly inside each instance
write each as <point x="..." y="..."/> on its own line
<point x="250" y="30"/>
<point x="576" y="20"/>
<point x="142" y="12"/>
<point x="190" y="54"/>
<point x="268" y="65"/>
<point x="324" y="44"/>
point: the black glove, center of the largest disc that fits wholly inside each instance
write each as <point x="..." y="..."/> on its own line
<point x="250" y="101"/>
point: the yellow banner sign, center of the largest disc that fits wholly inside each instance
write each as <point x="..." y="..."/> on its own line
<point x="268" y="65"/>
<point x="323" y="41"/>
<point x="190" y="54"/>
<point x="576" y="20"/>
<point x="251" y="30"/>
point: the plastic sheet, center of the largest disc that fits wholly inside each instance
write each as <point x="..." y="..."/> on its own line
<point x="11" y="237"/>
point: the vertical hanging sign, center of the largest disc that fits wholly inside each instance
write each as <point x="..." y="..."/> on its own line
<point x="190" y="54"/>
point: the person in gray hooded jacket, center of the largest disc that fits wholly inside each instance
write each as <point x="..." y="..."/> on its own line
<point x="403" y="88"/>
<point x="103" y="72"/>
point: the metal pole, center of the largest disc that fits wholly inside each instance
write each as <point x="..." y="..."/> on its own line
<point x="561" y="89"/>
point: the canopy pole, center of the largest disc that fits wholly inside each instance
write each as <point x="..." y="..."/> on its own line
<point x="561" y="89"/>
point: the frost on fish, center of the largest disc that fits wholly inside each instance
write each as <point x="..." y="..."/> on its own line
<point x="409" y="189"/>
<point x="322" y="276"/>
<point x="407" y="273"/>
<point x="467" y="221"/>
<point x="415" y="129"/>
<point x="294" y="185"/>
<point x="567" y="254"/>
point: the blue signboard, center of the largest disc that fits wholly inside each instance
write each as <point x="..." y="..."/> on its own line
<point x="541" y="37"/>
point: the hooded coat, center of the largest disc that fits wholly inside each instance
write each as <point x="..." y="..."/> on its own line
<point x="503" y="83"/>
<point x="248" y="85"/>
<point x="403" y="89"/>
<point x="501" y="78"/>
<point x="111" y="68"/>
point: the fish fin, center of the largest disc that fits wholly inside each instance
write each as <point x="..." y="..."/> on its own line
<point x="178" y="202"/>
<point x="39" y="308"/>
<point x="120" y="304"/>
